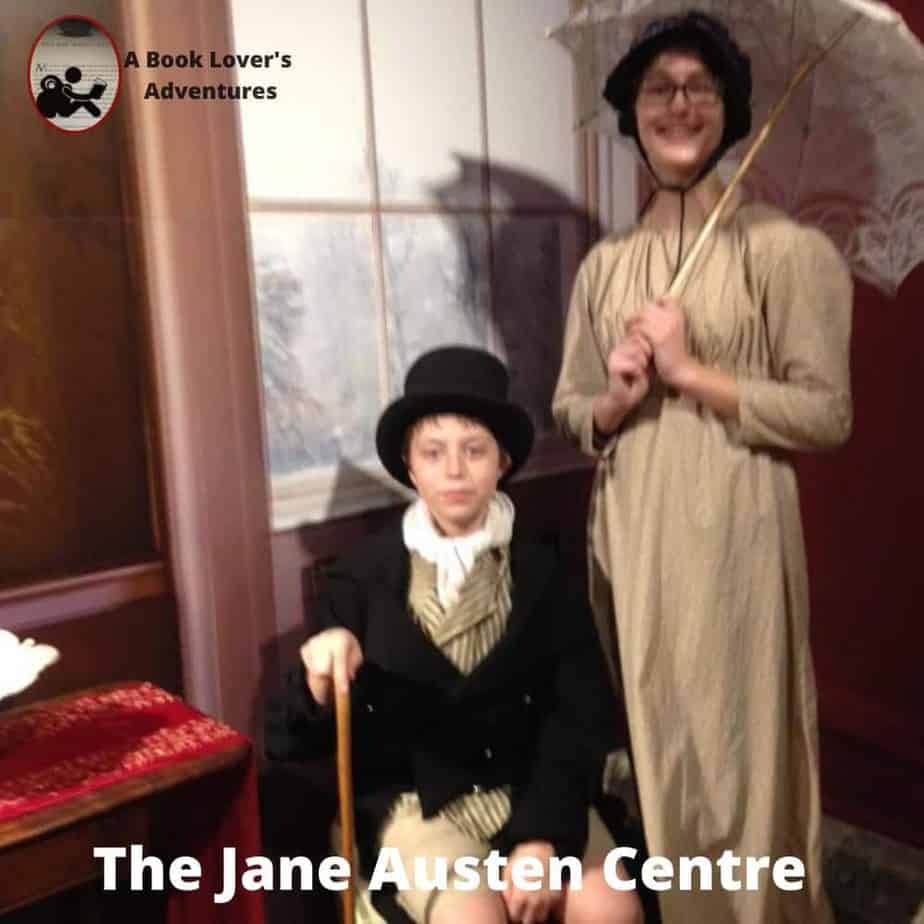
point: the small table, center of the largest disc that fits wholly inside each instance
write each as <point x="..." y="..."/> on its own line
<point x="120" y="765"/>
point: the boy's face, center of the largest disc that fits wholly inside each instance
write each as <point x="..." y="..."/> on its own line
<point x="455" y="464"/>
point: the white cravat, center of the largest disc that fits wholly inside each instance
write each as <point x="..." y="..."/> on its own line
<point x="454" y="557"/>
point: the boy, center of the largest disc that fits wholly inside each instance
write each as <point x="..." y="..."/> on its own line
<point x="482" y="706"/>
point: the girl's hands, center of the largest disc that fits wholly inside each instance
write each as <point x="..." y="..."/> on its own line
<point x="627" y="370"/>
<point x="661" y="324"/>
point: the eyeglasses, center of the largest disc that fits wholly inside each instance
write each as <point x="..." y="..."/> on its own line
<point x="661" y="93"/>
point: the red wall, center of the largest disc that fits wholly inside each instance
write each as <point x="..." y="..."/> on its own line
<point x="864" y="523"/>
<point x="864" y="513"/>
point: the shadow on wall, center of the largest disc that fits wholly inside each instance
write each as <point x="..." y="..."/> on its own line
<point x="537" y="236"/>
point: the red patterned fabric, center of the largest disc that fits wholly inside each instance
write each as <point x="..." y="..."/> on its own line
<point x="54" y="753"/>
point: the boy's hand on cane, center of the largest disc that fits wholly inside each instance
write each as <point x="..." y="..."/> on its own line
<point x="330" y="657"/>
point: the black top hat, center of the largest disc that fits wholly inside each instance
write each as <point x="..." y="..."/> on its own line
<point x="455" y="380"/>
<point x="720" y="53"/>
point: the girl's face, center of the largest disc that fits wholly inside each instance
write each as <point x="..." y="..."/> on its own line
<point x="680" y="115"/>
<point x="455" y="464"/>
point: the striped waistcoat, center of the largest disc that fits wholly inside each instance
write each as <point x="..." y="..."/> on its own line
<point x="465" y="633"/>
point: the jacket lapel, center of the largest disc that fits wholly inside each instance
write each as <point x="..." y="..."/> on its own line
<point x="394" y="639"/>
<point x="517" y="647"/>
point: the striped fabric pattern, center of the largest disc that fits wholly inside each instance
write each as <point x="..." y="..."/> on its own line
<point x="469" y="630"/>
<point x="466" y="633"/>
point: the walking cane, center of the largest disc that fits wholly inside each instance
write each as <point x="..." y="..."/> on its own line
<point x="345" y="799"/>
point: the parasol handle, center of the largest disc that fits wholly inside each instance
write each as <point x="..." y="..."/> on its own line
<point x="345" y="799"/>
<point x="686" y="268"/>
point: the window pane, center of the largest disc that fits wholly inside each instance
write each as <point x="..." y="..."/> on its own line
<point x="318" y="338"/>
<point x="425" y="87"/>
<point x="436" y="279"/>
<point x="444" y="274"/>
<point x="309" y="142"/>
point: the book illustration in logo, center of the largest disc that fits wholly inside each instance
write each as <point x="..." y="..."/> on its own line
<point x="74" y="73"/>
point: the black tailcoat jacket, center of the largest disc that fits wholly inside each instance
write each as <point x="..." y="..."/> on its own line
<point x="537" y="713"/>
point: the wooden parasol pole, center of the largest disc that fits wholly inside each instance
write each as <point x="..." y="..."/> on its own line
<point x="345" y="799"/>
<point x="686" y="268"/>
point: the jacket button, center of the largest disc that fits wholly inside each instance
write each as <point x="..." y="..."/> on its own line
<point x="370" y="707"/>
<point x="488" y="753"/>
<point x="527" y="699"/>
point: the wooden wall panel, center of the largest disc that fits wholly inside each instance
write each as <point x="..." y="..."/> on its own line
<point x="186" y="194"/>
<point x="137" y="641"/>
<point x="73" y="471"/>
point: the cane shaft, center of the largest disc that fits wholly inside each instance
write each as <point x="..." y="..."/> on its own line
<point x="686" y="268"/>
<point x="345" y="799"/>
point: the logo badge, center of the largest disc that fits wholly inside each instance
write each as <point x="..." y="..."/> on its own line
<point x="74" y="73"/>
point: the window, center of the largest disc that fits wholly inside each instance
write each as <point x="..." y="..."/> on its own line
<point x="417" y="181"/>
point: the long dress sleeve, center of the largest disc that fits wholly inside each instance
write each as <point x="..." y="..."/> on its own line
<point x="807" y="310"/>
<point x="583" y="371"/>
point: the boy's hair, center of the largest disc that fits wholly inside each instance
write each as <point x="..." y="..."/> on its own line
<point x="434" y="418"/>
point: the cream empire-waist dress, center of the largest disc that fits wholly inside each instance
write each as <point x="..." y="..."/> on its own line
<point x="698" y="570"/>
